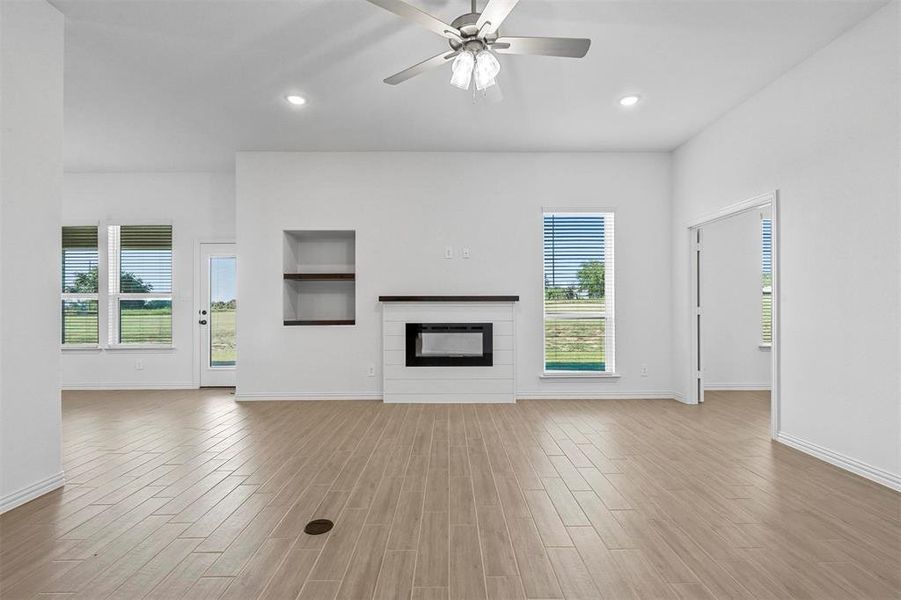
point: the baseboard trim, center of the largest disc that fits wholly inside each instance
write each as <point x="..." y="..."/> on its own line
<point x="26" y="494"/>
<point x="736" y="387"/>
<point x="880" y="476"/>
<point x="655" y="395"/>
<point x="302" y="396"/>
<point x="680" y="397"/>
<point x="179" y="385"/>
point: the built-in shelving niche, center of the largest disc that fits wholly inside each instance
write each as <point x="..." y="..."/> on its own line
<point x="320" y="278"/>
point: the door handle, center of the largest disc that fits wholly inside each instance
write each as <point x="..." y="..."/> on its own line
<point x="202" y="321"/>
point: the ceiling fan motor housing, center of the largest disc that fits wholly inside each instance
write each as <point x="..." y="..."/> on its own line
<point x="466" y="25"/>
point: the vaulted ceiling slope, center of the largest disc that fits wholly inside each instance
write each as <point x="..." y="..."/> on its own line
<point x="182" y="85"/>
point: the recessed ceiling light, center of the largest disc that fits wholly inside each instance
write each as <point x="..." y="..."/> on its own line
<point x="629" y="100"/>
<point x="296" y="100"/>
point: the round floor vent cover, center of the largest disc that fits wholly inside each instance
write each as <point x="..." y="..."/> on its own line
<point x="318" y="527"/>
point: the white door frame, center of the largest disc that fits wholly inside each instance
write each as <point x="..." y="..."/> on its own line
<point x="695" y="392"/>
<point x="199" y="302"/>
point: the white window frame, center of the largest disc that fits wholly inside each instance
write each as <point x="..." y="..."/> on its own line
<point x="78" y="296"/>
<point x="113" y="295"/>
<point x="609" y="298"/>
<point x="764" y="290"/>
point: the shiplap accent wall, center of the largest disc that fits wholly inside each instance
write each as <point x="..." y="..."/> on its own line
<point x="448" y="384"/>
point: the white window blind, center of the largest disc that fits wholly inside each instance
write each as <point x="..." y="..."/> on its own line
<point x="80" y="286"/>
<point x="140" y="284"/>
<point x="766" y="281"/>
<point x="579" y="331"/>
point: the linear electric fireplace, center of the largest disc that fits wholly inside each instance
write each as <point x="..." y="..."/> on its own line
<point x="449" y="345"/>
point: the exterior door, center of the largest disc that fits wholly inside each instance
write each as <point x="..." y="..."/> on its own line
<point x="217" y="315"/>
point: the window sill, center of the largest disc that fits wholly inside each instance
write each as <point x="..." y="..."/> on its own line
<point x="577" y="375"/>
<point x="78" y="347"/>
<point x="763" y="346"/>
<point x="164" y="347"/>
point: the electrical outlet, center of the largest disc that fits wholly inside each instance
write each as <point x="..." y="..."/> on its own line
<point x="466" y="253"/>
<point x="448" y="252"/>
<point x="372" y="370"/>
<point x="139" y="365"/>
<point x="644" y="370"/>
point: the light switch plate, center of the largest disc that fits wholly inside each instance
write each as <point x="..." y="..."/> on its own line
<point x="448" y="252"/>
<point x="466" y="253"/>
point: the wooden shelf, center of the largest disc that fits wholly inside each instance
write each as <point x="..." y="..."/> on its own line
<point x="448" y="298"/>
<point x="320" y="276"/>
<point x="321" y="322"/>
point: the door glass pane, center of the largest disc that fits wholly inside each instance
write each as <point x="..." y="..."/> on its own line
<point x="222" y="311"/>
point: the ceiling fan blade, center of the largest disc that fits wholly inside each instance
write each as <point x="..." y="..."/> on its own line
<point x="494" y="14"/>
<point x="543" y="46"/>
<point x="412" y="13"/>
<point x="431" y="63"/>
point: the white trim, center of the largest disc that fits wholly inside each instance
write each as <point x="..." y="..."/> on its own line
<point x="145" y="347"/>
<point x="449" y="399"/>
<point x="733" y="209"/>
<point x="578" y="375"/>
<point x="680" y="397"/>
<point x="770" y="199"/>
<point x="695" y="393"/>
<point x="543" y="395"/>
<point x="303" y="396"/>
<point x="880" y="476"/>
<point x="28" y="493"/>
<point x="150" y="348"/>
<point x="183" y="385"/>
<point x="713" y="387"/>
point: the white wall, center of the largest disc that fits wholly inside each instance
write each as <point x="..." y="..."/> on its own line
<point x="31" y="121"/>
<point x="405" y="209"/>
<point x="731" y="300"/>
<point x="826" y="135"/>
<point x="201" y="207"/>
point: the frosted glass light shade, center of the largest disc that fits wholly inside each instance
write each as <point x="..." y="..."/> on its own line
<point x="462" y="68"/>
<point x="486" y="69"/>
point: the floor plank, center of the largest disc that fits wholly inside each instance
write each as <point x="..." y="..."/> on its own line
<point x="188" y="494"/>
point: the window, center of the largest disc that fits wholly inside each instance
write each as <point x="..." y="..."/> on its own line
<point x="766" y="282"/>
<point x="578" y="293"/>
<point x="140" y="284"/>
<point x="80" y="292"/>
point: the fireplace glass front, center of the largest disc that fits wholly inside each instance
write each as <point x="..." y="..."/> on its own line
<point x="449" y="345"/>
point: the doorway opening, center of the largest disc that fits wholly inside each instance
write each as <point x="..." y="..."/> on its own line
<point x="734" y="306"/>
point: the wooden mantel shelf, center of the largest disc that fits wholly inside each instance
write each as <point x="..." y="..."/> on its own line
<point x="319" y="276"/>
<point x="448" y="298"/>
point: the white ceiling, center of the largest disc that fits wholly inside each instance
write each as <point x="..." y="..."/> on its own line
<point x="182" y="85"/>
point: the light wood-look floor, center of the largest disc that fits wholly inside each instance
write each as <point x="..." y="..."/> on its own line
<point x="191" y="495"/>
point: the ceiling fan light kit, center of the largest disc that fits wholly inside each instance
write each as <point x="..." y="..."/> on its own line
<point x="462" y="70"/>
<point x="474" y="40"/>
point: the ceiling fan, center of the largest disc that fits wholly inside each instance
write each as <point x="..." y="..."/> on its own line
<point x="473" y="39"/>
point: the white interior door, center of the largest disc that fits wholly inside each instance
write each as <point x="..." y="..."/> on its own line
<point x="217" y="315"/>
